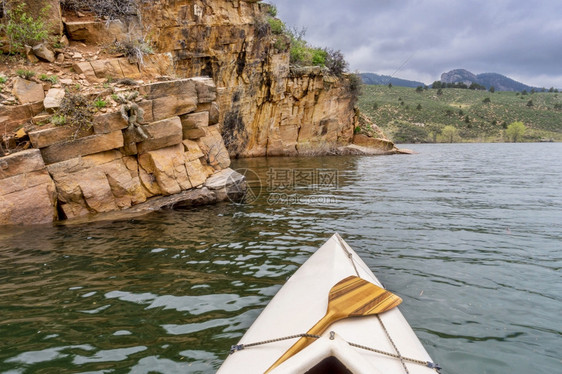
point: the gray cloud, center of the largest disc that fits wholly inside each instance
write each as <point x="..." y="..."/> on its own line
<point x="522" y="40"/>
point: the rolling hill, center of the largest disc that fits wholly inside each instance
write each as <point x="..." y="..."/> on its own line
<point x="407" y="115"/>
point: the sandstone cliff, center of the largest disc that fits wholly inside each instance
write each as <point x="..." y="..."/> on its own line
<point x="247" y="102"/>
<point x="267" y="108"/>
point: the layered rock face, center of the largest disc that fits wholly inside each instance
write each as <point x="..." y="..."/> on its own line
<point x="267" y="108"/>
<point x="110" y="167"/>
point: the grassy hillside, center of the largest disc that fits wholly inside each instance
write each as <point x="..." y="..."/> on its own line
<point x="408" y="115"/>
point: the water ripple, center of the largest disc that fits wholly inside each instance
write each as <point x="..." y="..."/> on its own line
<point x="193" y="304"/>
<point x="468" y="235"/>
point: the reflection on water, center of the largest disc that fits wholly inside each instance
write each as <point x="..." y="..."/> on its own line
<point x="472" y="246"/>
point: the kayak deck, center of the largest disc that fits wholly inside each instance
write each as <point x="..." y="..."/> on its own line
<point x="302" y="302"/>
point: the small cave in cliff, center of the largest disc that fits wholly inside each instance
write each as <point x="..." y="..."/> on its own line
<point x="61" y="215"/>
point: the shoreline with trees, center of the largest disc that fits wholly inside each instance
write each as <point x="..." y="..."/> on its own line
<point x="453" y="114"/>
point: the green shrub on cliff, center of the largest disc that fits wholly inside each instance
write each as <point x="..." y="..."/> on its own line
<point x="318" y="57"/>
<point x="299" y="50"/>
<point x="301" y="53"/>
<point x="272" y="10"/>
<point x="276" y="25"/>
<point x="23" y="29"/>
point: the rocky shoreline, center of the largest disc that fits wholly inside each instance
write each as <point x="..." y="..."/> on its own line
<point x="65" y="177"/>
<point x="224" y="186"/>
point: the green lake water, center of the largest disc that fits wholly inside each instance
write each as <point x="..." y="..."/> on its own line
<point x="469" y="235"/>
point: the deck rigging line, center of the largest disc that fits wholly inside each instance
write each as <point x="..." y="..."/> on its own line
<point x="398" y="355"/>
<point x="239" y="347"/>
<point x="429" y="364"/>
<point x="349" y="255"/>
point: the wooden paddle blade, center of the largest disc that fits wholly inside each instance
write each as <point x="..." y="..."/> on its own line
<point x="355" y="297"/>
<point x="350" y="297"/>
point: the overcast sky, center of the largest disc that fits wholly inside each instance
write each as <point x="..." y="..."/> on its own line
<point x="420" y="39"/>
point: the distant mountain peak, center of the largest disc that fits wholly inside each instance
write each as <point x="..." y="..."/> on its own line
<point x="372" y="78"/>
<point x="498" y="81"/>
<point x="459" y="76"/>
